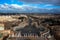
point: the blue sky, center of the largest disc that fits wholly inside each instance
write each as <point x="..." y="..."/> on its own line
<point x="11" y="2"/>
<point x="30" y="6"/>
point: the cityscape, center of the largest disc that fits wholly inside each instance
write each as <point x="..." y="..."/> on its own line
<point x="29" y="19"/>
<point x="30" y="27"/>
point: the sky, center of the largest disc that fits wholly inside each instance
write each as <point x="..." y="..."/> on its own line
<point x="29" y="6"/>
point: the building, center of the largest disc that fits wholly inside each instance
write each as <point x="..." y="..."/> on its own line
<point x="1" y="26"/>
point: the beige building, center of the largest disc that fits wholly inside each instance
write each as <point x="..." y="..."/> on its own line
<point x="2" y="26"/>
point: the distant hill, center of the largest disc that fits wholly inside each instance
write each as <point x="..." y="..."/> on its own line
<point x="30" y="13"/>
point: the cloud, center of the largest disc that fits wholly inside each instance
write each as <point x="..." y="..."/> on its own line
<point x="54" y="2"/>
<point x="15" y="8"/>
